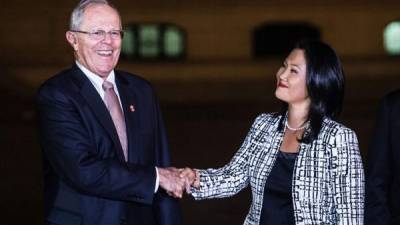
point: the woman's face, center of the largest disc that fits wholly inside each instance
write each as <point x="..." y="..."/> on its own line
<point x="291" y="80"/>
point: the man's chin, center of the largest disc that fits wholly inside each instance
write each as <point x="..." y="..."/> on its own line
<point x="104" y="72"/>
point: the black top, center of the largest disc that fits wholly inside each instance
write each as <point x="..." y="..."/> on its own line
<point x="277" y="206"/>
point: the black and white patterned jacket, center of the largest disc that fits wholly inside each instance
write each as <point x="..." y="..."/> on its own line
<point x="328" y="178"/>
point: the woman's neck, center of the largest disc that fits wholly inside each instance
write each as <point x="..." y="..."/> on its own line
<point x="297" y="115"/>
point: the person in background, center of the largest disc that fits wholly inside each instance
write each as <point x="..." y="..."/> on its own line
<point x="103" y="138"/>
<point x="303" y="167"/>
<point x="383" y="166"/>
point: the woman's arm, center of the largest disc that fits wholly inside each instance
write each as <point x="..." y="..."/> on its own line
<point x="233" y="177"/>
<point x="348" y="174"/>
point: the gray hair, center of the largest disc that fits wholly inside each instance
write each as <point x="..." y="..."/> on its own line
<point x="77" y="13"/>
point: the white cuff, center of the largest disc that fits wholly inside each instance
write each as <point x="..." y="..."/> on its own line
<point x="157" y="181"/>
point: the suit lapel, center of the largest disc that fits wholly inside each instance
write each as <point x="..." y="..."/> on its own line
<point x="128" y="101"/>
<point x="98" y="107"/>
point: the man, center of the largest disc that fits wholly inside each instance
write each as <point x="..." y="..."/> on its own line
<point x="102" y="135"/>
<point x="383" y="168"/>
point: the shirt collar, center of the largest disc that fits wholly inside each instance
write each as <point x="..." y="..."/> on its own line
<point x="95" y="79"/>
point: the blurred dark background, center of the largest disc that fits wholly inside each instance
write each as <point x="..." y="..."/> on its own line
<point x="213" y="66"/>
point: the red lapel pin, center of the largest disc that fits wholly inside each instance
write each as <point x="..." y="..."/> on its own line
<point x="132" y="108"/>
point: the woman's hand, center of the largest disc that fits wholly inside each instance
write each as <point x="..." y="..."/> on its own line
<point x="192" y="178"/>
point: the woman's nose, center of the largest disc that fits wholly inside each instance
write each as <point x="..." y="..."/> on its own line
<point x="283" y="74"/>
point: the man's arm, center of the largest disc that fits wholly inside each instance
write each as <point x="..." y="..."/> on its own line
<point x="379" y="170"/>
<point x="166" y="208"/>
<point x="72" y="153"/>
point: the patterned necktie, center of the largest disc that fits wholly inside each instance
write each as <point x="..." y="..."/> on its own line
<point x="113" y="106"/>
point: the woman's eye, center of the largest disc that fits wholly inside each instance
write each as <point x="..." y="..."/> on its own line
<point x="293" y="71"/>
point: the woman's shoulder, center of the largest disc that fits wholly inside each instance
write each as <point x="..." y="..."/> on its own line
<point x="266" y="120"/>
<point x="334" y="128"/>
<point x="341" y="140"/>
<point x="267" y="117"/>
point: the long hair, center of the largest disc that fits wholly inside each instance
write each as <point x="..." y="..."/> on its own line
<point x="325" y="85"/>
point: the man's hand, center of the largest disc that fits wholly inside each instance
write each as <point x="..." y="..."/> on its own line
<point x="171" y="181"/>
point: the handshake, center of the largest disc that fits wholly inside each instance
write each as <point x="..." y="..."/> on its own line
<point x="175" y="181"/>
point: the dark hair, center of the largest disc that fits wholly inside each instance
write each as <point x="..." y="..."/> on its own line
<point x="325" y="86"/>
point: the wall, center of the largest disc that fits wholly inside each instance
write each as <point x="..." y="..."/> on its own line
<point x="34" y="34"/>
<point x="219" y="33"/>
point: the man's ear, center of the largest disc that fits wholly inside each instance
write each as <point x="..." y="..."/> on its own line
<point x="71" y="38"/>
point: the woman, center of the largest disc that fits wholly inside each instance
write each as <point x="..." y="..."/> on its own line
<point x="303" y="167"/>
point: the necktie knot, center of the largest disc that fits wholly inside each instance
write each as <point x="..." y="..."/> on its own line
<point x="107" y="86"/>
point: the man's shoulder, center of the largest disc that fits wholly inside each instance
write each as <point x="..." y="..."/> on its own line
<point x="57" y="86"/>
<point x="393" y="98"/>
<point x="134" y="79"/>
<point x="61" y="78"/>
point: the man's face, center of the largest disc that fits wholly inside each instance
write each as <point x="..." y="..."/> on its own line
<point x="99" y="56"/>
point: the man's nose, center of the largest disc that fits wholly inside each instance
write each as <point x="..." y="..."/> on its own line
<point x="107" y="37"/>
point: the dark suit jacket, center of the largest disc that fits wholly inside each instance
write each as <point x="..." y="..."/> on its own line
<point x="87" y="180"/>
<point x="383" y="169"/>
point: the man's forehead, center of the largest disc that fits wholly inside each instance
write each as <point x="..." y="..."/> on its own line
<point x="95" y="8"/>
<point x="99" y="13"/>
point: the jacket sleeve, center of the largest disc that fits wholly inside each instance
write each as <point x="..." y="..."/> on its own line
<point x="348" y="178"/>
<point x="75" y="159"/>
<point x="166" y="207"/>
<point x="379" y="170"/>
<point x="230" y="179"/>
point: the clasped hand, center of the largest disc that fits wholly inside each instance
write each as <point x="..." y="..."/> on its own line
<point x="175" y="181"/>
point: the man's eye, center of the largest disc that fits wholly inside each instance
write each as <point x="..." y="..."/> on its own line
<point x="293" y="71"/>
<point x="98" y="33"/>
